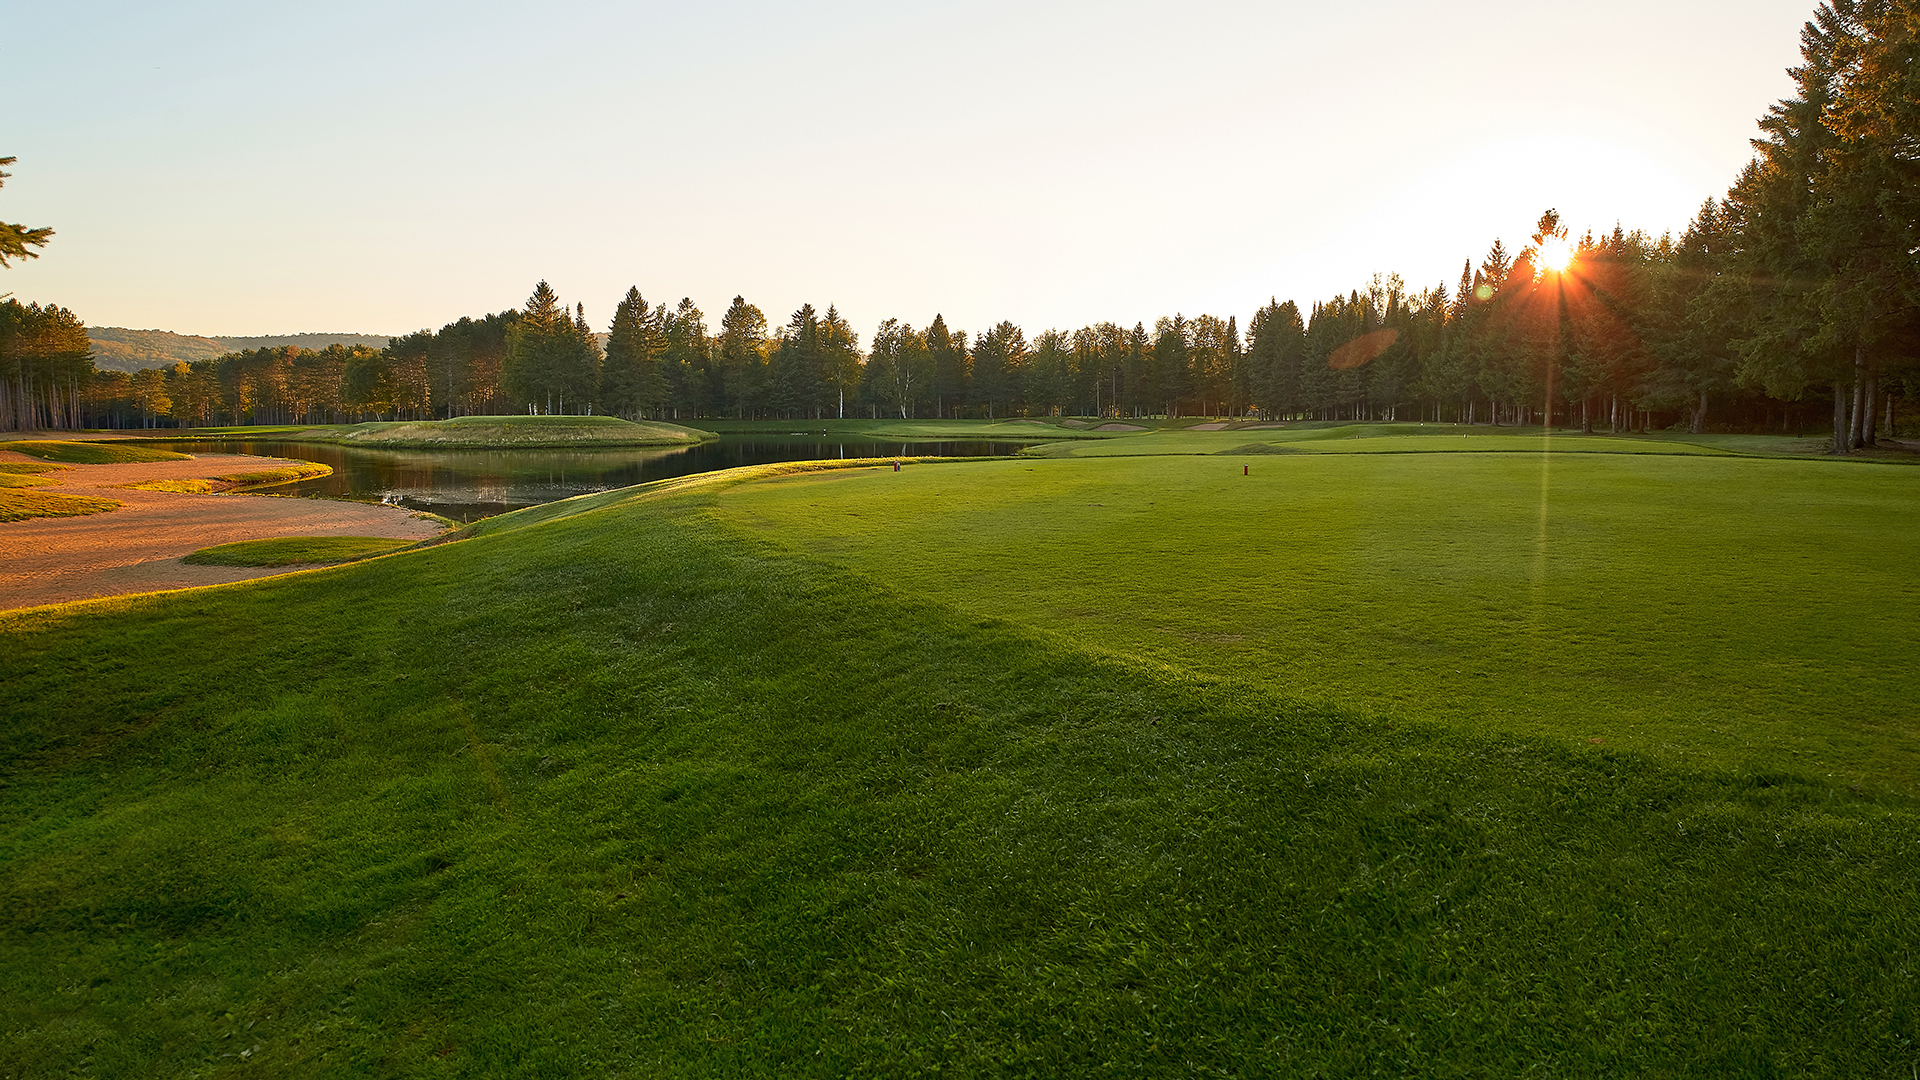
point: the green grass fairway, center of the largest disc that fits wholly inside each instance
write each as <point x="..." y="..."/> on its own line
<point x="1727" y="613"/>
<point x="90" y="453"/>
<point x="683" y="781"/>
<point x="470" y="432"/>
<point x="296" y="551"/>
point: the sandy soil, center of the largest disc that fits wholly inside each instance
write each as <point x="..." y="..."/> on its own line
<point x="137" y="548"/>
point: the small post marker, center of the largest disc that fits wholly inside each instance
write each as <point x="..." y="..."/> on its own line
<point x="1245" y="470"/>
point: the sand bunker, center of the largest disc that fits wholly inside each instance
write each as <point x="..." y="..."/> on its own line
<point x="1119" y="427"/>
<point x="1214" y="425"/>
<point x="137" y="548"/>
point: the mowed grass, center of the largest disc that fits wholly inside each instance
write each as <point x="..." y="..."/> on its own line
<point x="89" y="453"/>
<point x="634" y="786"/>
<point x="296" y="550"/>
<point x="1756" y="616"/>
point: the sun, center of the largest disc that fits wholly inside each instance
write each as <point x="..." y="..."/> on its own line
<point x="1555" y="255"/>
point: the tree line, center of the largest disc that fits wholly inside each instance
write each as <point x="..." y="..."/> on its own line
<point x="1801" y="283"/>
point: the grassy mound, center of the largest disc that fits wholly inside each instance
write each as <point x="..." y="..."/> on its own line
<point x="296" y="550"/>
<point x="634" y="785"/>
<point x="27" y="468"/>
<point x="472" y="432"/>
<point x="90" y="453"/>
<point x="278" y="475"/>
<point x="19" y="504"/>
<point x="24" y="480"/>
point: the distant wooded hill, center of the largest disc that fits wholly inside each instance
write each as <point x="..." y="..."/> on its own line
<point x="120" y="349"/>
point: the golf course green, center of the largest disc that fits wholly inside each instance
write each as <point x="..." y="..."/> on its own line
<point x="1316" y="763"/>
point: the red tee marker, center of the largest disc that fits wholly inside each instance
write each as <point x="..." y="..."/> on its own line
<point x="1244" y="470"/>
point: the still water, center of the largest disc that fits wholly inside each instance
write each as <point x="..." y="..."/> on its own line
<point x="468" y="484"/>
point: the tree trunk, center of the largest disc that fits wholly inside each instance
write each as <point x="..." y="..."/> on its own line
<point x="1841" y="435"/>
<point x="1872" y="410"/>
<point x="1698" y="424"/>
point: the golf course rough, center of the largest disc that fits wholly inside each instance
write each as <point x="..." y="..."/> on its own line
<point x="680" y="780"/>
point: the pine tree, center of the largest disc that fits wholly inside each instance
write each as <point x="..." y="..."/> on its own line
<point x="742" y="357"/>
<point x="16" y="239"/>
<point x="948" y="351"/>
<point x="693" y="384"/>
<point x="632" y="381"/>
<point x="999" y="366"/>
<point x="840" y="362"/>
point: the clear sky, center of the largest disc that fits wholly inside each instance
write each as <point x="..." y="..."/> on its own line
<point x="258" y="168"/>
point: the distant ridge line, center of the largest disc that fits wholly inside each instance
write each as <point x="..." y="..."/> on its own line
<point x="123" y="349"/>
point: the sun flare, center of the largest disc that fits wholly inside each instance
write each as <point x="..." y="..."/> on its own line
<point x="1555" y="255"/>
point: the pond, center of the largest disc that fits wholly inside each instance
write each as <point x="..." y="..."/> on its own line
<point x="469" y="484"/>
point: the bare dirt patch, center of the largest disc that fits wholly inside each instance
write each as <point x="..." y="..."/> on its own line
<point x="137" y="548"/>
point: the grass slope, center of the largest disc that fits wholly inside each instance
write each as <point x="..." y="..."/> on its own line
<point x="627" y="787"/>
<point x="296" y="551"/>
<point x="90" y="453"/>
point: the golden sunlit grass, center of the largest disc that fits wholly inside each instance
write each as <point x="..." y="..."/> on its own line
<point x="17" y="504"/>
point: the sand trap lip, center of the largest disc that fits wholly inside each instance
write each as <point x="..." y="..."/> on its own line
<point x="137" y="548"/>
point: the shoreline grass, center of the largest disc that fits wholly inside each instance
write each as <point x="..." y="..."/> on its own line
<point x="282" y="474"/>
